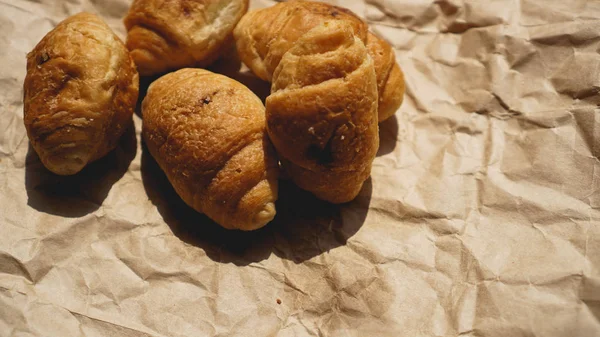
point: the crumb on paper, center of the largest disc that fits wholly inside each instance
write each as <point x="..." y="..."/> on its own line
<point x="278" y="301"/>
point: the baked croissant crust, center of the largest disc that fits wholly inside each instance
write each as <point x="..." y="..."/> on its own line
<point x="263" y="36"/>
<point x="207" y="133"/>
<point x="390" y="79"/>
<point x="322" y="112"/>
<point x="165" y="35"/>
<point x="80" y="92"/>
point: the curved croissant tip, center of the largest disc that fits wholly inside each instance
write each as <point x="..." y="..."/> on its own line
<point x="264" y="216"/>
<point x="66" y="163"/>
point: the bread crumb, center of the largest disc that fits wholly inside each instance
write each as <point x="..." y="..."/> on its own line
<point x="44" y="58"/>
<point x="311" y="130"/>
<point x="278" y="301"/>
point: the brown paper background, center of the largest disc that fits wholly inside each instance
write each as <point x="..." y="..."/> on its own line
<point x="481" y="217"/>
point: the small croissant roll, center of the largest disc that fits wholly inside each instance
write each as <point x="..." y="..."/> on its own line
<point x="322" y="112"/>
<point x="207" y="133"/>
<point x="165" y="35"/>
<point x="263" y="36"/>
<point x="80" y="92"/>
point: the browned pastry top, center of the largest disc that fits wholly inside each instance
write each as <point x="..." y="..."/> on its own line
<point x="79" y="93"/>
<point x="390" y="79"/>
<point x="267" y="34"/>
<point x="169" y="34"/>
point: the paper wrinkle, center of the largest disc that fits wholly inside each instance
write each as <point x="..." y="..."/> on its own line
<point x="480" y="218"/>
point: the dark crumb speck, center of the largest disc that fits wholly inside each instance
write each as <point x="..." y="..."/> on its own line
<point x="43" y="58"/>
<point x="206" y="100"/>
<point x="278" y="301"/>
<point x="334" y="13"/>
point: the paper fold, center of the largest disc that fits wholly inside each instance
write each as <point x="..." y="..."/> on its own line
<point x="480" y="218"/>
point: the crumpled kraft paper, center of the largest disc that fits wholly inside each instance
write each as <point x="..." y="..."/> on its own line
<point x="480" y="218"/>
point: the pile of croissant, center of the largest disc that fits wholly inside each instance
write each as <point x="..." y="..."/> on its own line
<point x="222" y="149"/>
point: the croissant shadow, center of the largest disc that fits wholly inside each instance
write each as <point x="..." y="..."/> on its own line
<point x="145" y="82"/>
<point x="83" y="193"/>
<point x="388" y="136"/>
<point x="303" y="228"/>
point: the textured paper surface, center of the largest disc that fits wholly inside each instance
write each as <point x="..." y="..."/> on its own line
<point x="481" y="217"/>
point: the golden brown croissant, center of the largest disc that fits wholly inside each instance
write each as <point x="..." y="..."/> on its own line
<point x="263" y="36"/>
<point x="207" y="133"/>
<point x="322" y="112"/>
<point x="166" y="35"/>
<point x="79" y="93"/>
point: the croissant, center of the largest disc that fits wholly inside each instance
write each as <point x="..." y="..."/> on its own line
<point x="165" y="35"/>
<point x="207" y="133"/>
<point x="263" y="36"/>
<point x="322" y="112"/>
<point x="80" y="92"/>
